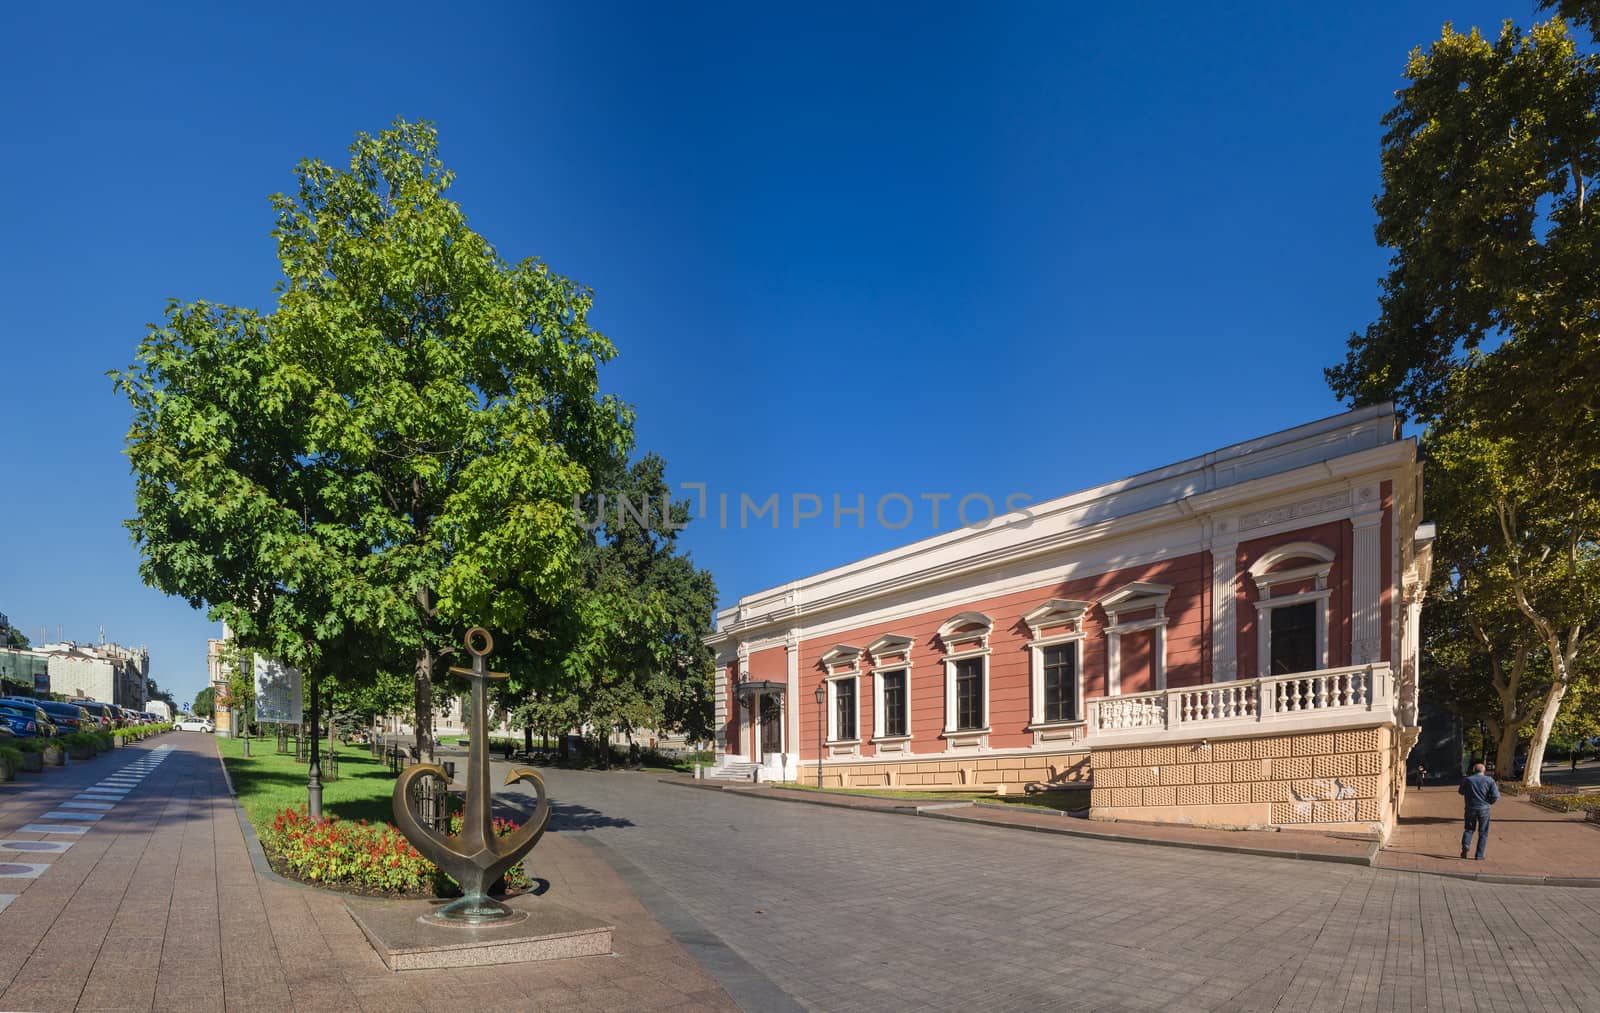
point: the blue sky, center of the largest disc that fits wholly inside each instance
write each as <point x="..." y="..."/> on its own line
<point x="852" y="249"/>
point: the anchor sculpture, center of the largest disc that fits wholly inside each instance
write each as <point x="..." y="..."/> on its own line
<point x="477" y="857"/>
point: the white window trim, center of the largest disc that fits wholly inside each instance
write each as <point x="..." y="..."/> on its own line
<point x="878" y="734"/>
<point x="1036" y="654"/>
<point x="1136" y="597"/>
<point x="1264" y="609"/>
<point x="1266" y="579"/>
<point x="950" y="662"/>
<point x="833" y="710"/>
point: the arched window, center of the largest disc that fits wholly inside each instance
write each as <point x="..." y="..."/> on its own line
<point x="1292" y="596"/>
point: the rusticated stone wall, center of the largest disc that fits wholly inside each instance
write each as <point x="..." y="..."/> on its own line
<point x="1010" y="774"/>
<point x="1325" y="778"/>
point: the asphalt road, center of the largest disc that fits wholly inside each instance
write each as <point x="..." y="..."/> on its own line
<point x="846" y="910"/>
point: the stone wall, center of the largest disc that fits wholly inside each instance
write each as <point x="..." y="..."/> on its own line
<point x="1011" y="774"/>
<point x="1325" y="780"/>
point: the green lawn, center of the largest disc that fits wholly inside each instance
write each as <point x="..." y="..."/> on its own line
<point x="268" y="783"/>
<point x="1060" y="800"/>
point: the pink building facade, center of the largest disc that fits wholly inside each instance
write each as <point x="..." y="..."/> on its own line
<point x="1228" y="640"/>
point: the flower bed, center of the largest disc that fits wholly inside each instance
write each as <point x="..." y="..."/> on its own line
<point x="364" y="857"/>
<point x="1570" y="802"/>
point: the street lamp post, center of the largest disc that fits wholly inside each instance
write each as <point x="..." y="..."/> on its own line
<point x="820" y="695"/>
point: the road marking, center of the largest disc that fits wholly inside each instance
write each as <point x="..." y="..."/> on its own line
<point x="51" y="828"/>
<point x="86" y="817"/>
<point x="87" y="805"/>
<point x="22" y="870"/>
<point x="6" y="899"/>
<point x="46" y="847"/>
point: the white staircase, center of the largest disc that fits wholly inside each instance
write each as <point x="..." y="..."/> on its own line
<point x="732" y="770"/>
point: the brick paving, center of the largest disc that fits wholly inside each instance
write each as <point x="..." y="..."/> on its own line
<point x="157" y="906"/>
<point x="850" y="910"/>
<point x="1524" y="839"/>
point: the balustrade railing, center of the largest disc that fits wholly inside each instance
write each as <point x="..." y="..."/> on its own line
<point x="1338" y="693"/>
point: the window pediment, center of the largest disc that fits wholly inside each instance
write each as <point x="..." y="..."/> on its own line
<point x="966" y="630"/>
<point x="1136" y="597"/>
<point x="842" y="659"/>
<point x="1314" y="561"/>
<point x="890" y="645"/>
<point x="1057" y="612"/>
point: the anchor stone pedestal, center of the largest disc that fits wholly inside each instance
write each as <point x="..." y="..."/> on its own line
<point x="476" y="929"/>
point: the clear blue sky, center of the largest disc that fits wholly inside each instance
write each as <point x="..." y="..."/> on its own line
<point x="852" y="249"/>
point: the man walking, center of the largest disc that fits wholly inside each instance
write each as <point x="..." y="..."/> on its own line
<point x="1480" y="793"/>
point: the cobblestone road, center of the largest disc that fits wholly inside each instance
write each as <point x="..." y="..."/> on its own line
<point x="846" y="910"/>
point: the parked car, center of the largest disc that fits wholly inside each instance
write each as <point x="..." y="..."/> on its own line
<point x="67" y="717"/>
<point x="194" y="724"/>
<point x="26" y="722"/>
<point x="101" y="712"/>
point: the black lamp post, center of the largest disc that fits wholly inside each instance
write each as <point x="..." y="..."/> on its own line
<point x="820" y="695"/>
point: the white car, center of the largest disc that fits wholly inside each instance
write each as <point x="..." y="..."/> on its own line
<point x="194" y="725"/>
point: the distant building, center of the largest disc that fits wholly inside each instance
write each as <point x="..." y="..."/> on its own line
<point x="24" y="670"/>
<point x="107" y="672"/>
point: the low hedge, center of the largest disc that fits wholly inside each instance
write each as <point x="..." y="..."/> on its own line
<point x="1570" y="802"/>
<point x="371" y="857"/>
<point x="11" y="760"/>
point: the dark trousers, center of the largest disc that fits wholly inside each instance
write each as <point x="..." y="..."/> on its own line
<point x="1477" y="820"/>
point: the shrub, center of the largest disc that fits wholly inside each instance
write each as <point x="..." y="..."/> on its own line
<point x="372" y="855"/>
<point x="35" y="744"/>
<point x="11" y="757"/>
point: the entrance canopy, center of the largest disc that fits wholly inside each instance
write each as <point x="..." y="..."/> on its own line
<point x="749" y="689"/>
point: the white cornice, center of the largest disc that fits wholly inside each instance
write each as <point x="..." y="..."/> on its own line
<point x="1118" y="510"/>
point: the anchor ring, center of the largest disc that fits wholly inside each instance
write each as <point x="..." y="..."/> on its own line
<point x="478" y="642"/>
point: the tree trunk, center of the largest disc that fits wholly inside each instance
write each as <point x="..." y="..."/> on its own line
<point x="527" y="739"/>
<point x="424" y="697"/>
<point x="1541" y="734"/>
<point x="1505" y="756"/>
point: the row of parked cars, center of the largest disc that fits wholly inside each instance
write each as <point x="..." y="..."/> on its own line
<point x="24" y="717"/>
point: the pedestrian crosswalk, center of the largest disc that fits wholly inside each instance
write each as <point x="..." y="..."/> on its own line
<point x="72" y="818"/>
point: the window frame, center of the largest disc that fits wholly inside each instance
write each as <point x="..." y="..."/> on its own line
<point x="880" y="710"/>
<point x="1316" y="568"/>
<point x="835" y="736"/>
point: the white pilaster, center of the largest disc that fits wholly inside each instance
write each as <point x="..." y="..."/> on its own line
<point x="1366" y="580"/>
<point x="791" y="708"/>
<point x="1224" y="610"/>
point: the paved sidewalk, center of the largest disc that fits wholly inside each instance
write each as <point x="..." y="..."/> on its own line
<point x="1525" y="840"/>
<point x="1528" y="844"/>
<point x="155" y="905"/>
<point x="1273" y="843"/>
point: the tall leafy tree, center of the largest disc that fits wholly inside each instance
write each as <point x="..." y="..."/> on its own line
<point x="638" y="658"/>
<point x="1489" y="334"/>
<point x="205" y="702"/>
<point x="389" y="456"/>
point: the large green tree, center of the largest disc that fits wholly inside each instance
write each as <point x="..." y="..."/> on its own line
<point x="637" y="657"/>
<point x="388" y="457"/>
<point x="1489" y="334"/>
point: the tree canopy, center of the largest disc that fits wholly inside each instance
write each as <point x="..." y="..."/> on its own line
<point x="391" y="455"/>
<point x="1488" y="334"/>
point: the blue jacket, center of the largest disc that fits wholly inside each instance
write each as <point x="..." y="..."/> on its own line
<point x="1480" y="790"/>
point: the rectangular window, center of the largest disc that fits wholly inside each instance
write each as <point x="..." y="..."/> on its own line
<point x="844" y="709"/>
<point x="969" y="694"/>
<point x="894" y="703"/>
<point x="1061" y="682"/>
<point x="1294" y="638"/>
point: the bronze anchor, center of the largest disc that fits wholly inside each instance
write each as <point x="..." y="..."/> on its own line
<point x="477" y="857"/>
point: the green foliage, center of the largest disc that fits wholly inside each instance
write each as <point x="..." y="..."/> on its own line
<point x="637" y="657"/>
<point x="155" y="692"/>
<point x="205" y="702"/>
<point x="1489" y="333"/>
<point x="391" y="455"/>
